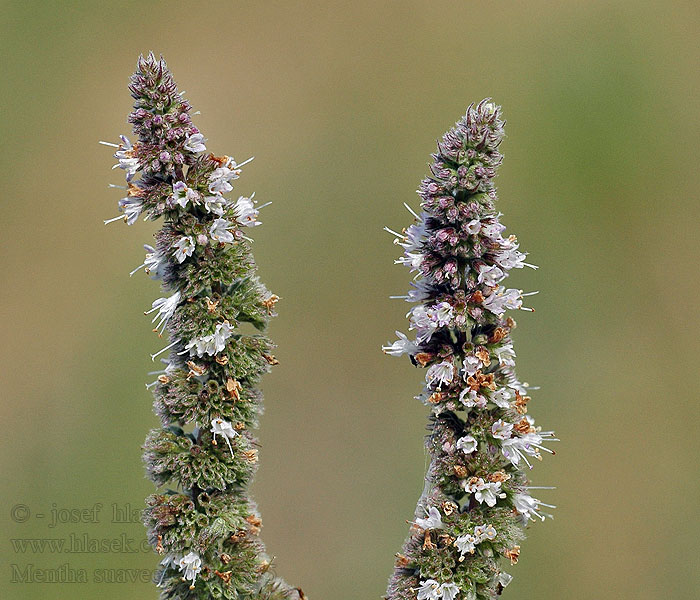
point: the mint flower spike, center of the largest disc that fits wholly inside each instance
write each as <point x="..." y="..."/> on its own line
<point x="476" y="501"/>
<point x="204" y="522"/>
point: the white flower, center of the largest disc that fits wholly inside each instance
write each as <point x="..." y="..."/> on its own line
<point x="165" y="307"/>
<point x="502" y="430"/>
<point x="219" y="179"/>
<point x="427" y="319"/>
<point x="499" y="300"/>
<point x="485" y="532"/>
<point x="222" y="332"/>
<point x="401" y="346"/>
<point x="474" y="226"/>
<point x="153" y="264"/>
<point x="467" y="444"/>
<point x="215" y="204"/>
<point x="492" y="230"/>
<point x="419" y="319"/>
<point x="511" y="258"/>
<point x="245" y="212"/>
<point x="131" y="207"/>
<point x="510" y="451"/>
<point x="506" y="354"/>
<point x="183" y="194"/>
<point x="441" y="314"/>
<point x="126" y="155"/>
<point x="433" y="520"/>
<point x="184" y="247"/>
<point x="490" y="275"/>
<point x="415" y="235"/>
<point x="420" y="290"/>
<point x="504" y="578"/>
<point x="484" y="491"/>
<point x="410" y="259"/>
<point x="471" y="365"/>
<point x="501" y="397"/>
<point x="219" y="230"/>
<point x="191" y="565"/>
<point x="528" y="507"/>
<point x="171" y="561"/>
<point x="466" y="544"/>
<point x="211" y="344"/>
<point x="440" y="373"/>
<point x="449" y="591"/>
<point x="225" y="430"/>
<point x="428" y="590"/>
<point x="470" y="398"/>
<point x="195" y="143"/>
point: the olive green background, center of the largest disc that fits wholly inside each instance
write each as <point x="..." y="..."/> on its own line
<point x="341" y="104"/>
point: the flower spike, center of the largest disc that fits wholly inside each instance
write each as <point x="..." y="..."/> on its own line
<point x="208" y="530"/>
<point x="476" y="500"/>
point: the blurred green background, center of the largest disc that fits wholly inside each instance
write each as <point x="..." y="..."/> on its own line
<point x="341" y="104"/>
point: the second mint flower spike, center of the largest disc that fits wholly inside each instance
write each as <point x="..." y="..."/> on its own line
<point x="203" y="522"/>
<point x="476" y="501"/>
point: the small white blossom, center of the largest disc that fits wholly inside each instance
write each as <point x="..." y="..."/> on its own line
<point x="195" y="143"/>
<point x="215" y="204"/>
<point x="131" y="207"/>
<point x="225" y="430"/>
<point x="182" y="194"/>
<point x="126" y="155"/>
<point x="484" y="491"/>
<point x="415" y="234"/>
<point x="410" y="259"/>
<point x="440" y="374"/>
<point x="506" y="354"/>
<point x="485" y="532"/>
<point x="401" y="346"/>
<point x="474" y="226"/>
<point x="504" y="578"/>
<point x="498" y="301"/>
<point x="433" y="520"/>
<point x="153" y="264"/>
<point x="511" y="259"/>
<point x="219" y="230"/>
<point x="501" y="397"/>
<point x="245" y="212"/>
<point x="165" y="307"/>
<point x="466" y="544"/>
<point x="441" y="314"/>
<point x="471" y="399"/>
<point x="211" y="344"/>
<point x="428" y="590"/>
<point x="490" y="275"/>
<point x="467" y="444"/>
<point x="529" y="507"/>
<point x="471" y="365"/>
<point x="172" y="561"/>
<point x="492" y="230"/>
<point x="449" y="591"/>
<point x="220" y="177"/>
<point x="502" y="430"/>
<point x="191" y="565"/>
<point x="184" y="247"/>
